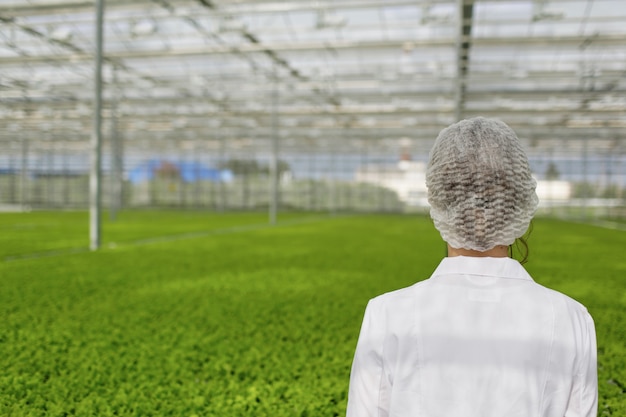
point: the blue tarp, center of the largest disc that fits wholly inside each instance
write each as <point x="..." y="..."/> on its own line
<point x="187" y="171"/>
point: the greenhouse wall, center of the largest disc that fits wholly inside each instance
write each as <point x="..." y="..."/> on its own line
<point x="363" y="176"/>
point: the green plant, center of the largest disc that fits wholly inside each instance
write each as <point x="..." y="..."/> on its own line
<point x="190" y="313"/>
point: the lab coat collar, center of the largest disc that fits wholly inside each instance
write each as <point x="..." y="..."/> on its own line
<point x="493" y="267"/>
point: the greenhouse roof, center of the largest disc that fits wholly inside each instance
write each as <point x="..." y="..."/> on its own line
<point x="319" y="70"/>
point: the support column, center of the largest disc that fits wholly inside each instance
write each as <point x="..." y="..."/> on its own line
<point x="95" y="174"/>
<point x="117" y="155"/>
<point x="465" y="12"/>
<point x="273" y="203"/>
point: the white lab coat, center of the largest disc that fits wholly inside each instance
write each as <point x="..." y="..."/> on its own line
<point x="478" y="339"/>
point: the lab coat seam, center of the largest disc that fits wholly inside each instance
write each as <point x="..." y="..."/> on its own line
<point x="380" y="306"/>
<point x="584" y="338"/>
<point x="380" y="391"/>
<point x="550" y="358"/>
<point x="581" y="374"/>
<point x="419" y="353"/>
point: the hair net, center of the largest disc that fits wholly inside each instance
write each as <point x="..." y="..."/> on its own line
<point x="480" y="187"/>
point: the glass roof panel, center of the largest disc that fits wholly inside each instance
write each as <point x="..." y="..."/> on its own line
<point x="386" y="66"/>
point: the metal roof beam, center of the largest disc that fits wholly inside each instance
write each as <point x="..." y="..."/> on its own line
<point x="278" y="60"/>
<point x="551" y="42"/>
<point x="463" y="44"/>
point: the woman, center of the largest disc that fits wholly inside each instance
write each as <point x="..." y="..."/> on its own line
<point x="479" y="338"/>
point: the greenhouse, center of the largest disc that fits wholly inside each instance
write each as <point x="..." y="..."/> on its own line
<point x="325" y="105"/>
<point x="199" y="197"/>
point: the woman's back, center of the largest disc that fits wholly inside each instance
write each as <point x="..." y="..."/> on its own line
<point x="478" y="339"/>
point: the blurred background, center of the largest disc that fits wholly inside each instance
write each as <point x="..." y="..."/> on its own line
<point x="304" y="105"/>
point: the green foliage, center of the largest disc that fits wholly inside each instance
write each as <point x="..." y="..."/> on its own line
<point x="185" y="314"/>
<point x="252" y="166"/>
<point x="612" y="191"/>
<point x="590" y="190"/>
<point x="552" y="172"/>
<point x="251" y="191"/>
<point x="339" y="196"/>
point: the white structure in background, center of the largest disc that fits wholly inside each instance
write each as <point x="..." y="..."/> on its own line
<point x="553" y="191"/>
<point x="408" y="180"/>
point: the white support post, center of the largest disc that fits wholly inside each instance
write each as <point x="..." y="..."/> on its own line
<point x="465" y="14"/>
<point x="273" y="203"/>
<point x="95" y="174"/>
<point x="117" y="165"/>
<point x="24" y="172"/>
